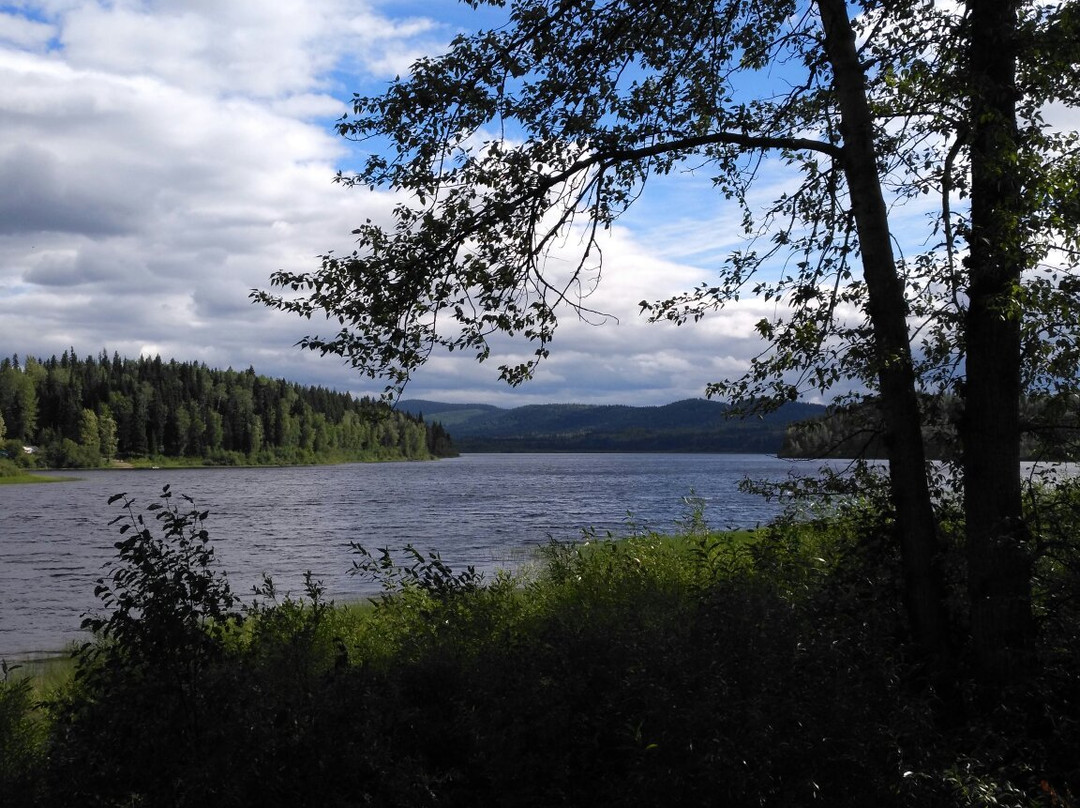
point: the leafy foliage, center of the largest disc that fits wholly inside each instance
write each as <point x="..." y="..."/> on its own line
<point x="427" y="573"/>
<point x="162" y="596"/>
<point x="143" y="683"/>
<point x="22" y="738"/>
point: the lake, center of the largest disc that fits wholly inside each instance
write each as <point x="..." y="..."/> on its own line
<point x="488" y="510"/>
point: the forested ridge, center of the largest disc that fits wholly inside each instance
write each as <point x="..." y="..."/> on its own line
<point x="95" y="411"/>
<point x="692" y="425"/>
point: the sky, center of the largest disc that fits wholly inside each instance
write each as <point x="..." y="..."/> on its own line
<point x="159" y="159"/>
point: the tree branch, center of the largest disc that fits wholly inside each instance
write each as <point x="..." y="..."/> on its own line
<point x="715" y="139"/>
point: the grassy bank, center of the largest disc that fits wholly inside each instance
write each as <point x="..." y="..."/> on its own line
<point x="763" y="668"/>
<point x="11" y="474"/>
<point x="22" y="479"/>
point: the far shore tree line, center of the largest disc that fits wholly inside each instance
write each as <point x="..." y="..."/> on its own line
<point x="82" y="413"/>
<point x="1050" y="430"/>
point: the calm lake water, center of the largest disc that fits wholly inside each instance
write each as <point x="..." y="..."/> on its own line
<point x="481" y="509"/>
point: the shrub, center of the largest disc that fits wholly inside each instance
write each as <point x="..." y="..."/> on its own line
<point x="17" y="455"/>
<point x="137" y="723"/>
<point x="67" y="454"/>
<point x="22" y="739"/>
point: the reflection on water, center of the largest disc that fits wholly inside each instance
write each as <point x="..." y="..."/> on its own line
<point x="485" y="510"/>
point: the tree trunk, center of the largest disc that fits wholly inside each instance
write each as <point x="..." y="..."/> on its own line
<point x="887" y="311"/>
<point x="999" y="564"/>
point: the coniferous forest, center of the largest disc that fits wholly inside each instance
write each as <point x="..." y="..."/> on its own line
<point x="84" y="413"/>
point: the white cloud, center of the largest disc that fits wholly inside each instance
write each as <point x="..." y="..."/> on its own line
<point x="243" y="47"/>
<point x="159" y="159"/>
<point x="139" y="210"/>
<point x="234" y="48"/>
<point x="25" y="33"/>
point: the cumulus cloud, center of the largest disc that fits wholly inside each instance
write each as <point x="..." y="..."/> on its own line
<point x="159" y="159"/>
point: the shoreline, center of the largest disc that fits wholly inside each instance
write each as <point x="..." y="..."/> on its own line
<point x="71" y="474"/>
<point x="33" y="478"/>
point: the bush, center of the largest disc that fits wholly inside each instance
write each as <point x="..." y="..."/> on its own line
<point x="144" y="704"/>
<point x="67" y="454"/>
<point x="16" y="454"/>
<point x="9" y="469"/>
<point x="22" y="739"/>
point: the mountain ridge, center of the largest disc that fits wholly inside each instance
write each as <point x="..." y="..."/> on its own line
<point x="689" y="425"/>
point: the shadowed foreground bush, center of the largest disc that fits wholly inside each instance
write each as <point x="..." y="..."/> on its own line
<point x="766" y="669"/>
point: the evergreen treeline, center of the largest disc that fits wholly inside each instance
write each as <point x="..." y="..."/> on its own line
<point x="87" y="412"/>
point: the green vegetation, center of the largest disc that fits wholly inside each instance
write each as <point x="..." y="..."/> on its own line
<point x="85" y="413"/>
<point x="11" y="474"/>
<point x="770" y="667"/>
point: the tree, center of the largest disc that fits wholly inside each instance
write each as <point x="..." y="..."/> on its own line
<point x="552" y="124"/>
<point x="107" y="433"/>
<point x="89" y="429"/>
<point x="998" y="558"/>
<point x="18" y="402"/>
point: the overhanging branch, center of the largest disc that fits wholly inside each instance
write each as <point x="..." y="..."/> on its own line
<point x="686" y="144"/>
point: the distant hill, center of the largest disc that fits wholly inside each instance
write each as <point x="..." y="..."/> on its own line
<point x="693" y="425"/>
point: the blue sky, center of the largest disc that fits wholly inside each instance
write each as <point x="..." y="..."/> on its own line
<point x="160" y="159"/>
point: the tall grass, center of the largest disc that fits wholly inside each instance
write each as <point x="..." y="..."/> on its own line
<point x="760" y="668"/>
